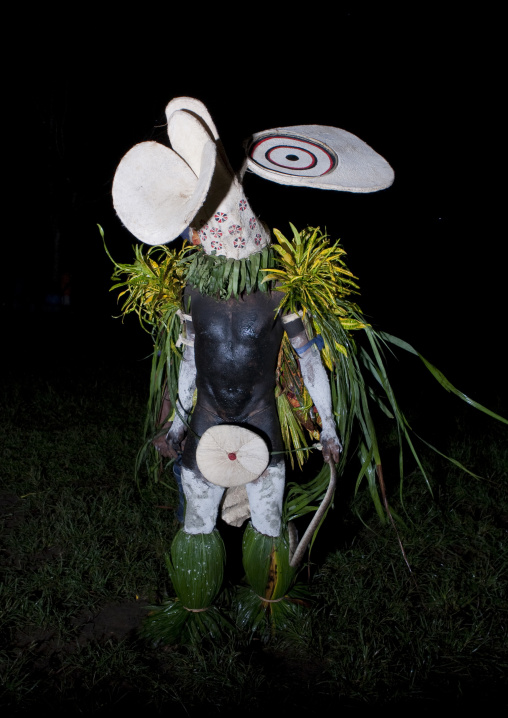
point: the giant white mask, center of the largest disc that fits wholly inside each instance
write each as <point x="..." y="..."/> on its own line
<point x="161" y="193"/>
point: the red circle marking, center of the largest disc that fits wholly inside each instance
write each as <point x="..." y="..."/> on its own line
<point x="232" y="456"/>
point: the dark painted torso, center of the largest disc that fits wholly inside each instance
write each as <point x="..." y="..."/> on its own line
<point x="236" y="346"/>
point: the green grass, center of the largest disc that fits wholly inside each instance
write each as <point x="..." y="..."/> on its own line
<point x="83" y="555"/>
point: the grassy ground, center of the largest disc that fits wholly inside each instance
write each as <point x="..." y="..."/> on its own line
<point x="82" y="557"/>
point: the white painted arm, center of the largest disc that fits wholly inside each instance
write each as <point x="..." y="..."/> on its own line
<point x="316" y="380"/>
<point x="186" y="388"/>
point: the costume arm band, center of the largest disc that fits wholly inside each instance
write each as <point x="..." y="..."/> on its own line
<point x="293" y="325"/>
<point x="184" y="317"/>
<point x="189" y="342"/>
<point x="288" y="318"/>
<point x="317" y="340"/>
<point x="183" y="340"/>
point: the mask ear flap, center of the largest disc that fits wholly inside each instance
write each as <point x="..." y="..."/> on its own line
<point x="188" y="136"/>
<point x="188" y="121"/>
<point x="318" y="156"/>
<point x="193" y="107"/>
<point x="156" y="194"/>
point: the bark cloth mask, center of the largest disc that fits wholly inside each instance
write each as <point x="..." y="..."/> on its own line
<point x="190" y="189"/>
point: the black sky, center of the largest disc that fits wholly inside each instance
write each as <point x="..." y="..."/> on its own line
<point x="419" y="88"/>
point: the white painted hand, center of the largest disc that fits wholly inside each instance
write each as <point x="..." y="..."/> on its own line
<point x="331" y="446"/>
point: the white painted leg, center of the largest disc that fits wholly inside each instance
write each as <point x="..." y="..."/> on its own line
<point x="265" y="499"/>
<point x="203" y="499"/>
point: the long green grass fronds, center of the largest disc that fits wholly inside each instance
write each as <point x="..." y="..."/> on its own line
<point x="314" y="279"/>
<point x="152" y="288"/>
<point x="439" y="376"/>
<point x="294" y="406"/>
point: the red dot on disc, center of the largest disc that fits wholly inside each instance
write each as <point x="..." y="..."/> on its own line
<point x="232" y="456"/>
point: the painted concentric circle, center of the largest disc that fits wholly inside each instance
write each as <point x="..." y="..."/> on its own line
<point x="293" y="155"/>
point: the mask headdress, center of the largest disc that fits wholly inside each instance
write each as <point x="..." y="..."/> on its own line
<point x="190" y="189"/>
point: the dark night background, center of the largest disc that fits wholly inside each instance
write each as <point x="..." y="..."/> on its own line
<point x="421" y="85"/>
<point x="416" y="87"/>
